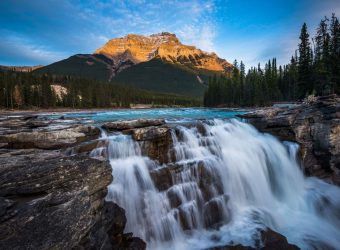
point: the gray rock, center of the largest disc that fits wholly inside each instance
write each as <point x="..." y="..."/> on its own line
<point x="269" y="240"/>
<point x="155" y="142"/>
<point x="315" y="126"/>
<point x="125" y="125"/>
<point x="38" y="124"/>
<point x="50" y="139"/>
<point x="214" y="212"/>
<point x="51" y="201"/>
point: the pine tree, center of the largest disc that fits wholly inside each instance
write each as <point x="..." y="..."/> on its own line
<point x="321" y="67"/>
<point x="292" y="77"/>
<point x="334" y="57"/>
<point x="305" y="84"/>
<point x="242" y="82"/>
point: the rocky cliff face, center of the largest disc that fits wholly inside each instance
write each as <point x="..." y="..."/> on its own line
<point x="51" y="198"/>
<point x="315" y="126"/>
<point x="138" y="48"/>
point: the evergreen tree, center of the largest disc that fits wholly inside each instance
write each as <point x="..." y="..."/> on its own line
<point x="292" y="79"/>
<point x="321" y="69"/>
<point x="304" y="67"/>
<point x="334" y="57"/>
<point x="242" y="82"/>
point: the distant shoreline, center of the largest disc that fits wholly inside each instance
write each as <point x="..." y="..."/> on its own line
<point x="47" y="110"/>
<point x="68" y="109"/>
<point x="6" y="112"/>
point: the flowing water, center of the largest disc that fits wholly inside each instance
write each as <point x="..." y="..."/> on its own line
<point x="226" y="182"/>
<point x="170" y="114"/>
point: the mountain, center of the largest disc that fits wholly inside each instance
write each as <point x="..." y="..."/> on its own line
<point x="82" y="65"/>
<point x="158" y="62"/>
<point x="137" y="49"/>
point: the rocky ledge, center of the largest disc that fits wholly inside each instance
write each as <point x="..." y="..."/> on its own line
<point x="153" y="136"/>
<point x="132" y="124"/>
<point x="51" y="198"/>
<point x="315" y="126"/>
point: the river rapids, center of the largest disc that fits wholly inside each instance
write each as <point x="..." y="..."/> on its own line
<point x="228" y="181"/>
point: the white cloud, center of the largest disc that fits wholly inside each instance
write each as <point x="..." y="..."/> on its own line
<point x="25" y="51"/>
<point x="191" y="20"/>
<point x="202" y="36"/>
<point x="66" y="27"/>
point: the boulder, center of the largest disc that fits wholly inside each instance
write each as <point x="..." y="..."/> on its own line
<point x="131" y="124"/>
<point x="52" y="201"/>
<point x="86" y="147"/>
<point x="150" y="133"/>
<point x="12" y="125"/>
<point x="108" y="234"/>
<point x="155" y="142"/>
<point x="216" y="212"/>
<point x="273" y="240"/>
<point x="269" y="240"/>
<point x="315" y="126"/>
<point x="38" y="124"/>
<point x="50" y="139"/>
<point x="162" y="177"/>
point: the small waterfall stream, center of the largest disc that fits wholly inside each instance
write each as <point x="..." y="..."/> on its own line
<point x="226" y="182"/>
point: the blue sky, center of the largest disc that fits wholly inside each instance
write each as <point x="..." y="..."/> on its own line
<point x="44" y="31"/>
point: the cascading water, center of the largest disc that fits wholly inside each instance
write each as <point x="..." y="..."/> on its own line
<point x="227" y="182"/>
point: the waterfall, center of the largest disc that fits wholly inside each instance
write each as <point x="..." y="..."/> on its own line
<point x="227" y="182"/>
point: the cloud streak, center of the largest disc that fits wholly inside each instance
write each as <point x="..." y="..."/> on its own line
<point x="41" y="32"/>
<point x="67" y="27"/>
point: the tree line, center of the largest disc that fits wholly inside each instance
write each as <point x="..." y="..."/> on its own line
<point x="29" y="90"/>
<point x="314" y="69"/>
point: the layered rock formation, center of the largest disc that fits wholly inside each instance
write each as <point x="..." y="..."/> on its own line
<point x="153" y="135"/>
<point x="132" y="124"/>
<point x="51" y="198"/>
<point x="138" y="48"/>
<point x="315" y="126"/>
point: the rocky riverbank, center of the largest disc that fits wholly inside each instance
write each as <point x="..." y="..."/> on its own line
<point x="315" y="126"/>
<point x="51" y="198"/>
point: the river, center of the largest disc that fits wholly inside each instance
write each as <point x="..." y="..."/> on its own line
<point x="227" y="182"/>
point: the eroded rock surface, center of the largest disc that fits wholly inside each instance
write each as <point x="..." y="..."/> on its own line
<point x="153" y="136"/>
<point x="315" y="126"/>
<point x="132" y="124"/>
<point x="52" y="193"/>
<point x="155" y="142"/>
<point x="18" y="132"/>
<point x="50" y="201"/>
<point x="50" y="139"/>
